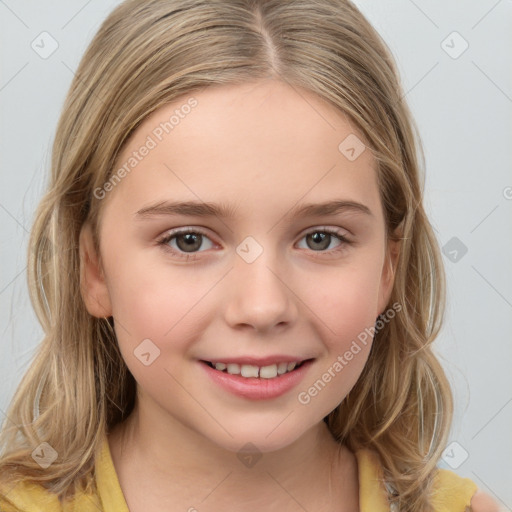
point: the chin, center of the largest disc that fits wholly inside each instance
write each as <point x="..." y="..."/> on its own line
<point x="264" y="436"/>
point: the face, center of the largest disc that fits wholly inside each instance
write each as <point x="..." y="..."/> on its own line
<point x="215" y="248"/>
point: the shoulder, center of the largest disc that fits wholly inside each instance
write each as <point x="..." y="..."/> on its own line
<point x="482" y="502"/>
<point x="453" y="492"/>
<point x="26" y="496"/>
<point x="449" y="493"/>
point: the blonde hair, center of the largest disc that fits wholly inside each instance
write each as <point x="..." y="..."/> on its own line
<point x="145" y="55"/>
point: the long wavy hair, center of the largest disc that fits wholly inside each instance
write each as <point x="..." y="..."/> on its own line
<point x="145" y="55"/>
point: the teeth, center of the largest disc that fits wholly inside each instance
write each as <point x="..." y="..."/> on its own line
<point x="248" y="370"/>
<point x="268" y="372"/>
<point x="282" y="368"/>
<point x="234" y="369"/>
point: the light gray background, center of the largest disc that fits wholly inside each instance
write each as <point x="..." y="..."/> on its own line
<point x="463" y="107"/>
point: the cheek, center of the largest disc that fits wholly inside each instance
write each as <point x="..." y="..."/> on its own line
<point x="344" y="301"/>
<point x="344" y="307"/>
<point x="147" y="303"/>
<point x="157" y="320"/>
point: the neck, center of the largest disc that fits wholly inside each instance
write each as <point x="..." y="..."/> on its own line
<point x="177" y="459"/>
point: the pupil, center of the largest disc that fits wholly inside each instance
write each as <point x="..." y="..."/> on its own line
<point x="320" y="238"/>
<point x="192" y="241"/>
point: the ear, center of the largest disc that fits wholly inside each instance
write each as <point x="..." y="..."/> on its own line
<point x="93" y="286"/>
<point x="388" y="273"/>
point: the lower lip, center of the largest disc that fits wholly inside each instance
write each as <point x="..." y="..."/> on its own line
<point x="256" y="388"/>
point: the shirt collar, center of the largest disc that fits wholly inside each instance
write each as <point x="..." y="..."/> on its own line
<point x="109" y="490"/>
<point x="372" y="493"/>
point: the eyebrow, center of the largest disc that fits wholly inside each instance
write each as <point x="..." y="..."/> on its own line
<point x="205" y="209"/>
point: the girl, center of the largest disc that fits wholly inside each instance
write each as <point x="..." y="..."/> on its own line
<point x="236" y="277"/>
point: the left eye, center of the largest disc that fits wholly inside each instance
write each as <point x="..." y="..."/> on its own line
<point x="188" y="241"/>
<point x="320" y="240"/>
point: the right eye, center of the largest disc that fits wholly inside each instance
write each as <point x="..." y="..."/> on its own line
<point x="185" y="243"/>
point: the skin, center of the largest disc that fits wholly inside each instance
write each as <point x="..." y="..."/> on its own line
<point x="262" y="148"/>
<point x="482" y="502"/>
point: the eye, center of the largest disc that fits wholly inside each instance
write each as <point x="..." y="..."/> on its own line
<point x="185" y="242"/>
<point x="319" y="240"/>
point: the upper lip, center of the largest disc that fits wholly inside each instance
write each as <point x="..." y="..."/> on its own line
<point x="258" y="361"/>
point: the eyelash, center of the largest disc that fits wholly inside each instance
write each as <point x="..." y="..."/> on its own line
<point x="344" y="242"/>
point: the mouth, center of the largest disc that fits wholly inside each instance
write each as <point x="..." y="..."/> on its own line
<point x="251" y="371"/>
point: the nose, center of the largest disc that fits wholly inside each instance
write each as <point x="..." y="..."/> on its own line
<point x="259" y="297"/>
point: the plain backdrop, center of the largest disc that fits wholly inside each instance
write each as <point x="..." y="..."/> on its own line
<point x="455" y="63"/>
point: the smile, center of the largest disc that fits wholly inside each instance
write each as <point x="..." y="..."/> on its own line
<point x="250" y="381"/>
<point x="252" y="371"/>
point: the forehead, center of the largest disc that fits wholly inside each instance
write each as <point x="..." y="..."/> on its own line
<point x="261" y="144"/>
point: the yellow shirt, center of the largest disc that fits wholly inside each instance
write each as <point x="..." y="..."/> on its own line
<point x="451" y="492"/>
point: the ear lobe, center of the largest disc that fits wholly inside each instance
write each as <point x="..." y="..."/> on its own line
<point x="388" y="274"/>
<point x="93" y="286"/>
